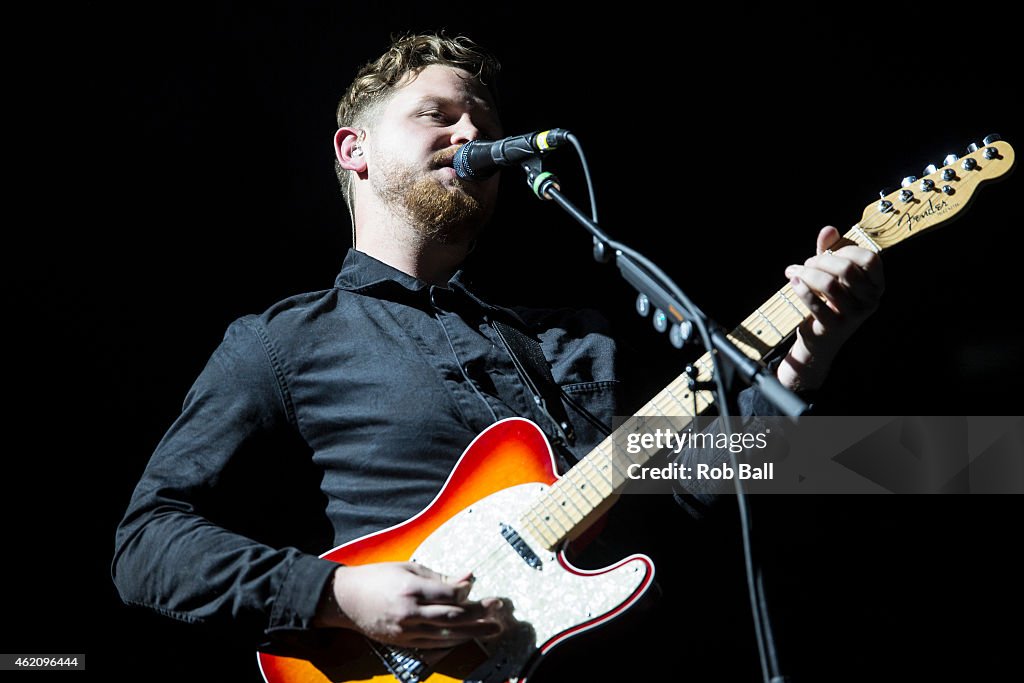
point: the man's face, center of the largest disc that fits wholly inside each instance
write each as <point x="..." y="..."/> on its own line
<point x="414" y="140"/>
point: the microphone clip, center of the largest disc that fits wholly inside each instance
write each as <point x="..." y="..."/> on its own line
<point x="539" y="180"/>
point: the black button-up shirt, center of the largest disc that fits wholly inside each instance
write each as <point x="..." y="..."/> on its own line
<point x="332" y="415"/>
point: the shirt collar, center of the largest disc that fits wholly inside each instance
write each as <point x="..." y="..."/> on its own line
<point x="361" y="272"/>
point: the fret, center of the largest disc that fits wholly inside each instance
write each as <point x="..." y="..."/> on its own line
<point x="531" y="521"/>
<point x="770" y="323"/>
<point x="603" y="471"/>
<point x="582" y="505"/>
<point x="679" y="402"/>
<point x="703" y="397"/>
<point x="785" y="322"/>
<point x="568" y="497"/>
<point x="800" y="314"/>
<point x="654" y="404"/>
<point x="663" y="404"/>
<point x="575" y="480"/>
<point x="749" y="350"/>
<point x="548" y="534"/>
<point x="782" y="314"/>
<point x="668" y="401"/>
<point x="864" y="241"/>
<point x="551" y="514"/>
<point x="601" y="484"/>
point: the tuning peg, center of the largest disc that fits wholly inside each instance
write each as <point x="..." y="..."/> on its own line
<point x="929" y="169"/>
<point x="660" y="320"/>
<point x="643" y="305"/>
<point x="909" y="180"/>
<point x="884" y="205"/>
<point x="972" y="148"/>
<point x="884" y="192"/>
<point x="679" y="334"/>
<point x="950" y="159"/>
<point x="991" y="152"/>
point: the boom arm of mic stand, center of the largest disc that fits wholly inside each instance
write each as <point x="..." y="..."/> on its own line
<point x="545" y="186"/>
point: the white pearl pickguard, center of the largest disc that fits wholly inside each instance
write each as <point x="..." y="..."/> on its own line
<point x="547" y="600"/>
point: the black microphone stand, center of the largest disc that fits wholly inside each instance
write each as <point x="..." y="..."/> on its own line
<point x="656" y="288"/>
<point x="665" y="295"/>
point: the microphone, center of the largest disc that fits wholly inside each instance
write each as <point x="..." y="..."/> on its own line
<point x="478" y="159"/>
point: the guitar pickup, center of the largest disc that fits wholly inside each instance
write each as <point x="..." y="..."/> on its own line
<point x="521" y="547"/>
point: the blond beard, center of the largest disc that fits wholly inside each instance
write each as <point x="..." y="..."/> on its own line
<point x="439" y="213"/>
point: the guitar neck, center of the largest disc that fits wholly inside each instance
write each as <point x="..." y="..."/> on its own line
<point x="586" y="491"/>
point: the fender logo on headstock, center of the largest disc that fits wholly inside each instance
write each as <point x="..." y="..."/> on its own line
<point x="933" y="209"/>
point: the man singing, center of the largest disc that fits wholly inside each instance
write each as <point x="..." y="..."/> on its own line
<point x="365" y="394"/>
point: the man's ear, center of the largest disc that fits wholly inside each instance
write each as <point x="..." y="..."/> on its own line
<point x="348" y="149"/>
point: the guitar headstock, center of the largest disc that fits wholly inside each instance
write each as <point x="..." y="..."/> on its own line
<point x="923" y="203"/>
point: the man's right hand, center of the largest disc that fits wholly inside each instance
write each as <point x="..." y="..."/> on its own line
<point x="408" y="605"/>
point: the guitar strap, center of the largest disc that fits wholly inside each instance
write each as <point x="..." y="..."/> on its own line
<point x="528" y="359"/>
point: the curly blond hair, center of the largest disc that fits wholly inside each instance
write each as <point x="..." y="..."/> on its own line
<point x="376" y="81"/>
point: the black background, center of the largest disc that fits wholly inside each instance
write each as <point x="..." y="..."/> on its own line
<point x="174" y="171"/>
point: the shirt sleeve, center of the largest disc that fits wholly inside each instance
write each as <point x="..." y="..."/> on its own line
<point x="170" y="555"/>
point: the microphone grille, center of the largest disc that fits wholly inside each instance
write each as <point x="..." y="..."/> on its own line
<point x="461" y="163"/>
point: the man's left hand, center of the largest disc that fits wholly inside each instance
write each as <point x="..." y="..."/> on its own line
<point x="841" y="287"/>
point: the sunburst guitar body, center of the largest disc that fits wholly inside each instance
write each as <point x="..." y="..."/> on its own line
<point x="476" y="523"/>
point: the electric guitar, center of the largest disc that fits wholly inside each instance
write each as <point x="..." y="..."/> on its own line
<point x="505" y="514"/>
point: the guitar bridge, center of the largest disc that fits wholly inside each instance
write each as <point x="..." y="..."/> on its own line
<point x="521" y="547"/>
<point x="402" y="663"/>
